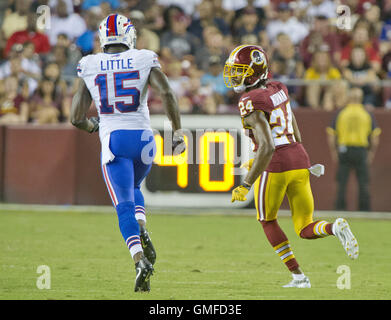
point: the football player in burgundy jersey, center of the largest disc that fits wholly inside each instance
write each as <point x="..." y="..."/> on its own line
<point x="281" y="164"/>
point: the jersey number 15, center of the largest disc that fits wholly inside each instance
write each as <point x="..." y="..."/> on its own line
<point x="120" y="91"/>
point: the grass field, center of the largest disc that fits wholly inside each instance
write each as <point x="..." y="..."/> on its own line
<point x="199" y="257"/>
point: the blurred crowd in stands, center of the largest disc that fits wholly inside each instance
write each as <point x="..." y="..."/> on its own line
<point x="319" y="48"/>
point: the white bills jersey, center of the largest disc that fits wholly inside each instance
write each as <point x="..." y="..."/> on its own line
<point x="118" y="84"/>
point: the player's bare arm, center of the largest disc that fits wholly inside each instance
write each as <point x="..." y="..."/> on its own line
<point x="263" y="135"/>
<point x="80" y="104"/>
<point x="296" y="130"/>
<point x="159" y="82"/>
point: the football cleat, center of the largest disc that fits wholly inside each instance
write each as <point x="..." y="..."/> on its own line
<point x="146" y="287"/>
<point x="148" y="248"/>
<point x="304" y="283"/>
<point x="144" y="270"/>
<point x="342" y="231"/>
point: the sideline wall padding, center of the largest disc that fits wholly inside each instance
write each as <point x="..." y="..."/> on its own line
<point x="39" y="164"/>
<point x="58" y="164"/>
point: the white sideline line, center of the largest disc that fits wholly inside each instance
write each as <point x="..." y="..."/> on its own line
<point x="10" y="207"/>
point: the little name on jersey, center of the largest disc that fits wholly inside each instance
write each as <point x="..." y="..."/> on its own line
<point x="278" y="98"/>
<point x="116" y="64"/>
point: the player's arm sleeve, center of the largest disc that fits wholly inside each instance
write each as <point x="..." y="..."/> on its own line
<point x="250" y="103"/>
<point x="152" y="59"/>
<point x="81" y="67"/>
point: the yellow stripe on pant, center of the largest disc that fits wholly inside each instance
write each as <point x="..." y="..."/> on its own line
<point x="270" y="189"/>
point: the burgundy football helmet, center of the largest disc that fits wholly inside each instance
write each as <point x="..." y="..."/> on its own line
<point x="245" y="67"/>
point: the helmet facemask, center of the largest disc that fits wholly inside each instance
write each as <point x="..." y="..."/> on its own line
<point x="235" y="74"/>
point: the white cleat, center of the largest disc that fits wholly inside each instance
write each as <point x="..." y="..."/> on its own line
<point x="342" y="231"/>
<point x="304" y="283"/>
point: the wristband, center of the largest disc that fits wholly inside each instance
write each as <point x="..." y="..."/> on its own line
<point x="246" y="185"/>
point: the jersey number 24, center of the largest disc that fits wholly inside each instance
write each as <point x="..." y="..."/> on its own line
<point x="106" y="105"/>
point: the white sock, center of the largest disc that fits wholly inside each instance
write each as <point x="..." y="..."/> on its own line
<point x="299" y="277"/>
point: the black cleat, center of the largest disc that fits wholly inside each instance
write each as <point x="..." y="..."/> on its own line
<point x="149" y="250"/>
<point x="144" y="270"/>
<point x="146" y="287"/>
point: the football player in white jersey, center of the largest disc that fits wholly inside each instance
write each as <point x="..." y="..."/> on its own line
<point x="117" y="81"/>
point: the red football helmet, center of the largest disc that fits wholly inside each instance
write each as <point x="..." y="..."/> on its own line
<point x="245" y="67"/>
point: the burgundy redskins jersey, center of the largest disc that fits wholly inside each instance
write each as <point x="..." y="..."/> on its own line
<point x="273" y="101"/>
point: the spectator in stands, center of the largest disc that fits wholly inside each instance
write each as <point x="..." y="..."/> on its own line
<point x="52" y="72"/>
<point x="87" y="4"/>
<point x="263" y="8"/>
<point x="86" y="40"/>
<point x="286" y="23"/>
<point x="222" y="13"/>
<point x="187" y="6"/>
<point x="200" y="98"/>
<point x="20" y="66"/>
<point x="360" y="73"/>
<point x="72" y="53"/>
<point x="287" y="64"/>
<point x="67" y="67"/>
<point x="176" y="78"/>
<point x="321" y="69"/>
<point x="207" y="18"/>
<point x="154" y="19"/>
<point x="45" y="104"/>
<point x="177" y="39"/>
<point x="213" y="78"/>
<point x="73" y="25"/>
<point x="31" y="68"/>
<point x="326" y="8"/>
<point x="146" y="39"/>
<point x="30" y="34"/>
<point x="361" y="38"/>
<point x="372" y="15"/>
<point x="285" y="52"/>
<point x="214" y="45"/>
<point x="373" y="35"/>
<point x="4" y="7"/>
<point x="16" y="20"/>
<point x="321" y="37"/>
<point x="248" y="23"/>
<point x="385" y="34"/>
<point x="337" y="96"/>
<point x="13" y="105"/>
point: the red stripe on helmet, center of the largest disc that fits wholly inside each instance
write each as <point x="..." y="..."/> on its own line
<point x="111" y="25"/>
